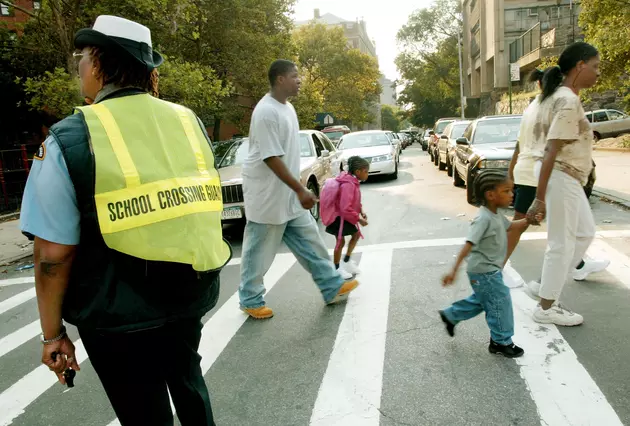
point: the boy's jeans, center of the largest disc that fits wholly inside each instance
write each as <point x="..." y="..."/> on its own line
<point x="492" y="296"/>
<point x="301" y="235"/>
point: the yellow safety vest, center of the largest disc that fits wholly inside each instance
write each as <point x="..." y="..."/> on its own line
<point x="157" y="193"/>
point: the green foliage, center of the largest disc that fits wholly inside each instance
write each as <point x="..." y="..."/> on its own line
<point x="428" y="62"/>
<point x="335" y="78"/>
<point x="605" y="25"/>
<point x="55" y="93"/>
<point x="390" y="118"/>
<point x="192" y="85"/>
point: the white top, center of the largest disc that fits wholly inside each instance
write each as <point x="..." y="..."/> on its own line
<point x="529" y="148"/>
<point x="561" y="117"/>
<point x="274" y="132"/>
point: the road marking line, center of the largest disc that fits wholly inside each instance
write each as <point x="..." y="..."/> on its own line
<point x="17" y="300"/>
<point x="30" y="387"/>
<point x="562" y="389"/>
<point x="219" y="330"/>
<point x="444" y="242"/>
<point x="619" y="263"/>
<point x="19" y="337"/>
<point x="350" y="392"/>
<point x="15" y="281"/>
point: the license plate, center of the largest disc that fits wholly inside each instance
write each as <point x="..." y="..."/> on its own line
<point x="232" y="213"/>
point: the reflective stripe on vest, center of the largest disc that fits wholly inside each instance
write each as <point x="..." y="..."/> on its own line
<point x="155" y="196"/>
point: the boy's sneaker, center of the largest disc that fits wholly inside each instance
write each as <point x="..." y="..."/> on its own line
<point x="508" y="351"/>
<point x="590" y="267"/>
<point x="450" y="327"/>
<point x="350" y="267"/>
<point x="344" y="274"/>
<point x="558" y="315"/>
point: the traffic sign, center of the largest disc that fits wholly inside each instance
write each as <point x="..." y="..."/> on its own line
<point x="325" y="119"/>
<point x="515" y="72"/>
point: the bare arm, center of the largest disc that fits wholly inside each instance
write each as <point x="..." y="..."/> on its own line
<point x="52" y="272"/>
<point x="513" y="162"/>
<point x="519" y="226"/>
<point x="280" y="169"/>
<point x="463" y="254"/>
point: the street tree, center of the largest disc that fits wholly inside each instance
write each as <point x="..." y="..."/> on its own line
<point x="390" y="118"/>
<point x="605" y="25"/>
<point x="337" y="79"/>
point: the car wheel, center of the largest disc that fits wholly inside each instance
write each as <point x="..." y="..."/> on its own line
<point x="315" y="209"/>
<point x="441" y="166"/>
<point x="457" y="181"/>
<point x="395" y="174"/>
<point x="424" y="147"/>
<point x="436" y="158"/>
<point x="449" y="168"/>
<point x="431" y="155"/>
<point x="596" y="137"/>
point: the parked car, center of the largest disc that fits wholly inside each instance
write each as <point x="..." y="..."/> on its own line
<point x="376" y="147"/>
<point x="608" y="123"/>
<point x="319" y="160"/>
<point x="396" y="141"/>
<point x="487" y="143"/>
<point x="426" y="137"/>
<point x="335" y="133"/>
<point x="437" y="130"/>
<point x="405" y="138"/>
<point x="447" y="145"/>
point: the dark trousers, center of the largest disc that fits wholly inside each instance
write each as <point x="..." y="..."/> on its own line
<point x="137" y="368"/>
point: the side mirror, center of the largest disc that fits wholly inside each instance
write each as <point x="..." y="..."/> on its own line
<point x="325" y="153"/>
<point x="462" y="141"/>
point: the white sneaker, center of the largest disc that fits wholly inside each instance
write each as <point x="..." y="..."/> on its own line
<point x="351" y="267"/>
<point x="590" y="267"/>
<point x="344" y="274"/>
<point x="534" y="288"/>
<point x="558" y="315"/>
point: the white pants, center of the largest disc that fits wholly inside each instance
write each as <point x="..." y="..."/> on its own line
<point x="571" y="229"/>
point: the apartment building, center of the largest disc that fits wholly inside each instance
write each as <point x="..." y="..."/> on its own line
<point x="388" y="95"/>
<point x="13" y="16"/>
<point x="499" y="32"/>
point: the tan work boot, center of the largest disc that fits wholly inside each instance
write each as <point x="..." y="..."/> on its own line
<point x="345" y="289"/>
<point x="258" y="313"/>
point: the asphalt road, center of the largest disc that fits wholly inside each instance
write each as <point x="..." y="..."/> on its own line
<point x="383" y="357"/>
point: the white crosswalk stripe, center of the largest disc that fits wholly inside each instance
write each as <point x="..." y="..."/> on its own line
<point x="352" y="385"/>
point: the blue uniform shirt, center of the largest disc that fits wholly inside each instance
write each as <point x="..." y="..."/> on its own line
<point x="49" y="206"/>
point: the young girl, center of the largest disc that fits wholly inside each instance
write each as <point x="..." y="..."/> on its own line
<point x="349" y="214"/>
<point x="487" y="246"/>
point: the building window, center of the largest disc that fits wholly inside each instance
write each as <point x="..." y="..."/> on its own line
<point x="5" y="10"/>
<point x="37" y="5"/>
<point x="350" y="25"/>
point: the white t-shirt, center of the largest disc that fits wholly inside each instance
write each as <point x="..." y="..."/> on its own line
<point x="561" y="117"/>
<point x="529" y="148"/>
<point x="274" y="132"/>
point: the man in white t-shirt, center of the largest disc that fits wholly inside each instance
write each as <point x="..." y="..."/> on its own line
<point x="276" y="203"/>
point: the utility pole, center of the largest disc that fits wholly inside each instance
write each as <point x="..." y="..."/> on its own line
<point x="462" y="100"/>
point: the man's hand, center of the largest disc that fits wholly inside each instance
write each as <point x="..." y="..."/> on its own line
<point x="449" y="279"/>
<point x="307" y="199"/>
<point x="363" y="222"/>
<point x="537" y="212"/>
<point x="64" y="358"/>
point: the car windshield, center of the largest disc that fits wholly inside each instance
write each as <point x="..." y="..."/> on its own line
<point x="364" y="140"/>
<point x="305" y="146"/>
<point x="458" y="130"/>
<point x="334" y="135"/>
<point x="236" y="155"/>
<point x="497" y="130"/>
<point x="439" y="128"/>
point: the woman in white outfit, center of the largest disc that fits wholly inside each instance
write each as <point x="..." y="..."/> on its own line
<point x="562" y="171"/>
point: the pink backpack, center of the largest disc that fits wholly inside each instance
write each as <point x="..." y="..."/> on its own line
<point x="329" y="201"/>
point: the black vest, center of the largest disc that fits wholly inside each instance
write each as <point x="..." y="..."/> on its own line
<point x="112" y="291"/>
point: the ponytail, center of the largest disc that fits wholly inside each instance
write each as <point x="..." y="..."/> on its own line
<point x="552" y="79"/>
<point x="570" y="57"/>
<point x="536" y="76"/>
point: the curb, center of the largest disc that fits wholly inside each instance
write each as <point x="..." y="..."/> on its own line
<point x="10" y="216"/>
<point x="611" y="149"/>
<point x="614" y="196"/>
<point x="9" y="260"/>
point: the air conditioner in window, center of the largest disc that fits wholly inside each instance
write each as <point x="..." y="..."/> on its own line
<point x="532" y="12"/>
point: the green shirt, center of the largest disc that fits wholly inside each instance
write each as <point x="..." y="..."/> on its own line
<point x="488" y="235"/>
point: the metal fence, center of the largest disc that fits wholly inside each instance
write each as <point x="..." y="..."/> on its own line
<point x="546" y="34"/>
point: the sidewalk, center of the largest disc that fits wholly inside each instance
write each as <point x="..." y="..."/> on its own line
<point x="13" y="245"/>
<point x="613" y="176"/>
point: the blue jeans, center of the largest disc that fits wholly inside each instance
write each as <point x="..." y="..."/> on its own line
<point x="260" y="245"/>
<point x="492" y="296"/>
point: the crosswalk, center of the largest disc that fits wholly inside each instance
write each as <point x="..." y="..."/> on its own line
<point x="382" y="358"/>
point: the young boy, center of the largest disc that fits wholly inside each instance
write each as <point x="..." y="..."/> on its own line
<point x="487" y="246"/>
